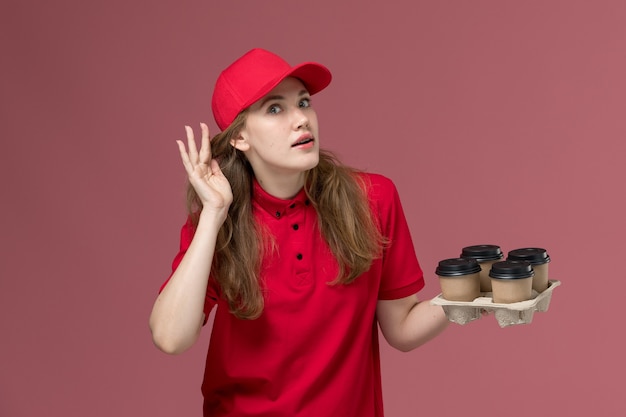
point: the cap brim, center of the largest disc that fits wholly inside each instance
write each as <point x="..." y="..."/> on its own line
<point x="314" y="76"/>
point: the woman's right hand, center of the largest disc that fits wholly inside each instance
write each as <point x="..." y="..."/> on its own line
<point x="205" y="175"/>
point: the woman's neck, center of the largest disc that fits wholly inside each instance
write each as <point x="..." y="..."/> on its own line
<point x="283" y="186"/>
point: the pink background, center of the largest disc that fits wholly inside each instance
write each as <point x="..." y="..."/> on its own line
<point x="500" y="122"/>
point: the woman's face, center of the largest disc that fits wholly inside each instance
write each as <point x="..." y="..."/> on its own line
<point x="280" y="138"/>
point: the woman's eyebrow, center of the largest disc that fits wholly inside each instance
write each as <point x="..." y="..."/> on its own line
<point x="279" y="97"/>
<point x="270" y="98"/>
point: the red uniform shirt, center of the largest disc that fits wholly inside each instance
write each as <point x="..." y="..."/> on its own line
<point x="314" y="350"/>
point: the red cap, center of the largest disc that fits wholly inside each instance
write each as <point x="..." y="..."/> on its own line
<point x="254" y="75"/>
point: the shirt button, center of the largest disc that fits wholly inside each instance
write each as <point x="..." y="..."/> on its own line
<point x="295" y="227"/>
<point x="278" y="214"/>
<point x="307" y="202"/>
<point x="299" y="256"/>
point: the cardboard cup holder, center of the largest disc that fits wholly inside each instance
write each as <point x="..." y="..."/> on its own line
<point x="462" y="312"/>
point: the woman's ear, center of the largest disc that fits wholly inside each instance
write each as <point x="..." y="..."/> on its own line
<point x="239" y="142"/>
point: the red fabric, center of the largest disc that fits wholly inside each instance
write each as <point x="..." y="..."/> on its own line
<point x="314" y="350"/>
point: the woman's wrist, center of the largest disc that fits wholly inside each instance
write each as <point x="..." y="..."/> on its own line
<point x="211" y="219"/>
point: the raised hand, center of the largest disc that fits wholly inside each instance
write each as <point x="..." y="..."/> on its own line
<point x="204" y="173"/>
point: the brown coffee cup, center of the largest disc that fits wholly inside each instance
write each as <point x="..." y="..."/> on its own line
<point x="511" y="281"/>
<point x="486" y="256"/>
<point x="539" y="259"/>
<point x="459" y="279"/>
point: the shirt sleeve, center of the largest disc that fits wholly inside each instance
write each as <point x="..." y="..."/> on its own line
<point x="186" y="236"/>
<point x="402" y="275"/>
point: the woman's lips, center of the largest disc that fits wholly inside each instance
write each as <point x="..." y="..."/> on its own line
<point x="303" y="141"/>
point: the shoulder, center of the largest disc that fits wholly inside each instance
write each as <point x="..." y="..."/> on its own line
<point x="378" y="186"/>
<point x="382" y="195"/>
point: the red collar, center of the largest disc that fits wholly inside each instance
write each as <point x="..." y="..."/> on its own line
<point x="274" y="205"/>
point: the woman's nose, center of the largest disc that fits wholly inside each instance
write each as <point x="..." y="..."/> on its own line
<point x="301" y="119"/>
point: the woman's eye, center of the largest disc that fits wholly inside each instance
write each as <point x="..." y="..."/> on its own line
<point x="306" y="102"/>
<point x="274" y="109"/>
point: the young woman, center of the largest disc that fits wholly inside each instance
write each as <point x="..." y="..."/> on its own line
<point x="302" y="256"/>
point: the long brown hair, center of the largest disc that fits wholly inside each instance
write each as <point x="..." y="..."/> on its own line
<point x="344" y="216"/>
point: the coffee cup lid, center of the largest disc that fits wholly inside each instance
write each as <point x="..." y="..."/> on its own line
<point x="511" y="270"/>
<point x="536" y="256"/>
<point x="482" y="253"/>
<point x="455" y="267"/>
